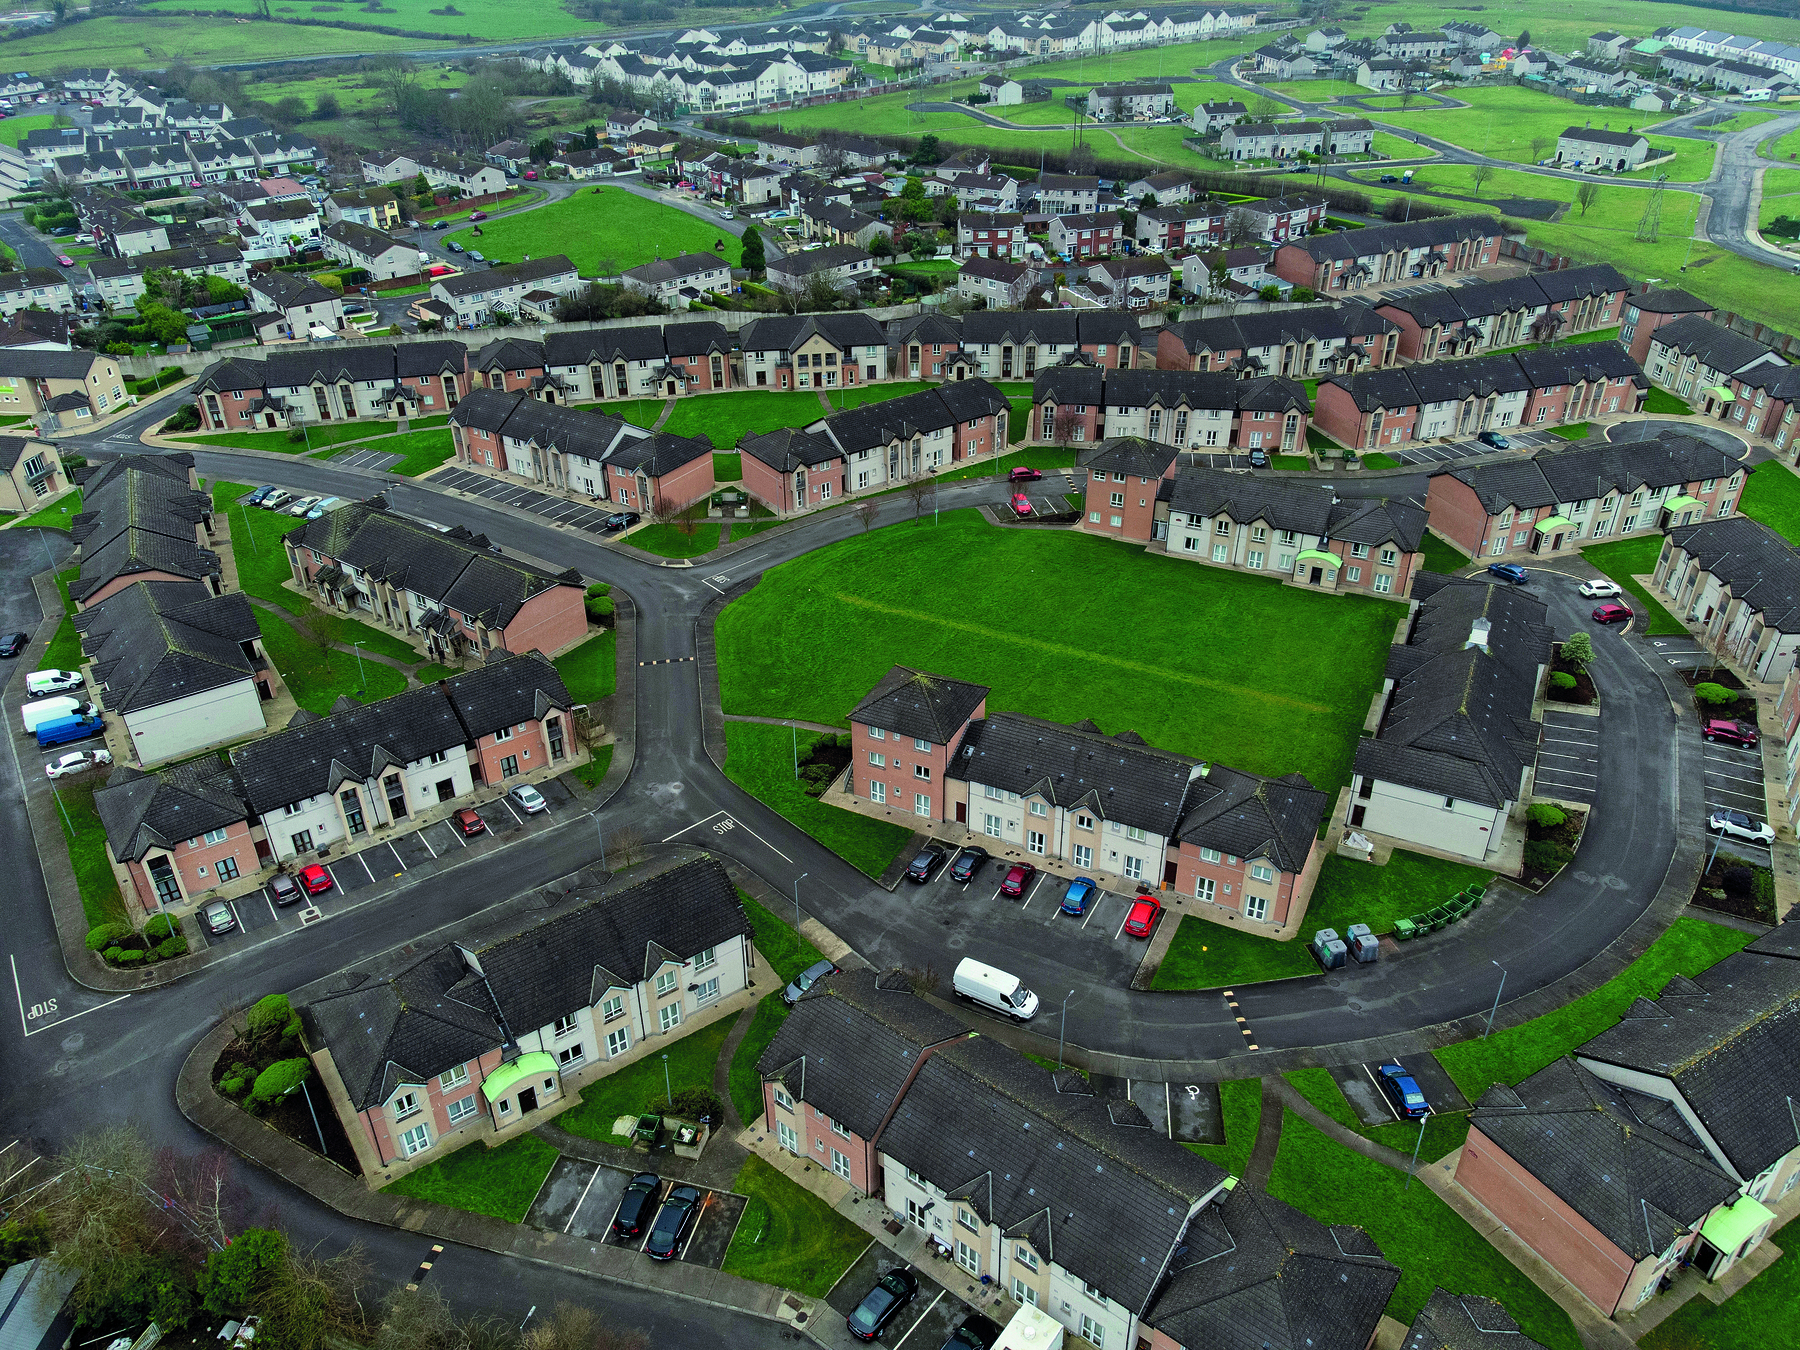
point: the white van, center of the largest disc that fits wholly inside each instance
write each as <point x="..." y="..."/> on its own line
<point x="49" y="709"/>
<point x="995" y="989"/>
<point x="43" y="683"/>
<point x="1757" y="96"/>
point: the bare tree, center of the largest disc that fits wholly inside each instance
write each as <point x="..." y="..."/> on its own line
<point x="206" y="1188"/>
<point x="318" y="1301"/>
<point x="625" y="848"/>
<point x="1479" y="174"/>
<point x="664" y="511"/>
<point x="822" y="292"/>
<point x="1585" y="193"/>
<point x="1408" y="96"/>
<point x="1241" y="228"/>
<point x="921" y="490"/>
<point x="321" y="627"/>
<point x="1064" y="427"/>
<point x="574" y="1327"/>
<point x="868" y="511"/>
<point x="1539" y="144"/>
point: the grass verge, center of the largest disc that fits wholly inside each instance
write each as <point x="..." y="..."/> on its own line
<point x="591" y="671"/>
<point x="501" y="1182"/>
<point x="1619" y="560"/>
<point x="86" y="837"/>
<point x="55" y="516"/>
<point x="1442" y="556"/>
<point x="1772" y="496"/>
<point x="1240" y="1109"/>
<point x="668" y="540"/>
<point x="760" y="760"/>
<point x="631" y="1089"/>
<point x="594" y="770"/>
<point x="788" y="953"/>
<point x="788" y="1237"/>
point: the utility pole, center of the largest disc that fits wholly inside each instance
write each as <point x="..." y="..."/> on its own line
<point x="1496" y="1008"/>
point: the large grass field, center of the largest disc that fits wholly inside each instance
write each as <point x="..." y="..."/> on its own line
<point x="1772" y="495"/>
<point x="725" y="419"/>
<point x="818" y="633"/>
<point x="603" y="231"/>
<point x="1207" y="955"/>
<point x="760" y="759"/>
<point x="1781" y="197"/>
<point x="15" y="129"/>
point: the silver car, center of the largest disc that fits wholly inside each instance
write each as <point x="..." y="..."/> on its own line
<point x="528" y="799"/>
<point x="219" y="918"/>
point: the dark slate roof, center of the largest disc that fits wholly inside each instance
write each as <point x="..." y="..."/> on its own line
<point x="369" y="242"/>
<point x="924" y="706"/>
<point x="428" y="358"/>
<point x="1670" y="301"/>
<point x="787" y="448"/>
<point x="1574" y="362"/>
<point x="142" y="811"/>
<point x="1588" y="471"/>
<point x="1465" y="1322"/>
<point x="1587" y="1142"/>
<point x="1459" y="720"/>
<point x="1201" y="389"/>
<point x="786" y="333"/>
<point x="660" y="454"/>
<point x="1077" y="1175"/>
<point x="696" y="339"/>
<point x="876" y="424"/>
<point x="589" y="433"/>
<point x="13" y="447"/>
<point x="1254" y="817"/>
<point x="1762" y="568"/>
<point x="508" y="353"/>
<point x="1781" y="940"/>
<point x="1285" y="505"/>
<point x="139" y="514"/>
<point x="532" y="269"/>
<point x="39" y="364"/>
<point x="1022" y="328"/>
<point x="1715" y="345"/>
<point x="156" y="641"/>
<point x="1573" y="282"/>
<point x="1729" y="1040"/>
<point x="523" y="688"/>
<point x="1374" y="521"/>
<point x="1254" y="1271"/>
<point x="1600" y="137"/>
<point x="1073" y="383"/>
<point x="1130" y="455"/>
<point x="1273" y="328"/>
<point x="1378" y="239"/>
<point x="851" y="1043"/>
<point x="288" y="291"/>
<point x="578" y="346"/>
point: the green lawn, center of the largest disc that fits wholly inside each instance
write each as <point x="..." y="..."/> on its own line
<point x="760" y="759"/>
<point x="787" y="954"/>
<point x="1661" y="403"/>
<point x="1432" y="1244"/>
<point x="1318" y="91"/>
<point x="1443" y="556"/>
<point x="886" y="597"/>
<point x="501" y="1182"/>
<point x="1206" y="955"/>
<point x="640" y="1084"/>
<point x="858" y="394"/>
<point x="1576" y="431"/>
<point x="55" y="516"/>
<point x="592" y="772"/>
<point x="86" y="837"/>
<point x="1619" y="560"/>
<point x="422" y="451"/>
<point x="1240" y="1108"/>
<point x="432" y="673"/>
<point x="1781" y="197"/>
<point x="1379" y="461"/>
<point x="788" y="1237"/>
<point x="725" y="419"/>
<point x="278" y="442"/>
<point x="591" y="671"/>
<point x="1689" y="947"/>
<point x="63" y="651"/>
<point x="728" y="468"/>
<point x="602" y="231"/>
<point x="317" y="678"/>
<point x="1443" y="1133"/>
<point x="1748" y="1318"/>
<point x="669" y="541"/>
<point x="1044" y="457"/>
<point x="1291" y="463"/>
<point x="1772" y="495"/>
<point x="15" y="129"/>
<point x="640" y="412"/>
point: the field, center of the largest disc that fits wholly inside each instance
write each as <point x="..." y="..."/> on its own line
<point x="15" y="129"/>
<point x="760" y="759"/>
<point x="818" y="633"/>
<point x="1772" y="495"/>
<point x="1557" y="25"/>
<point x="1781" y="196"/>
<point x="602" y="230"/>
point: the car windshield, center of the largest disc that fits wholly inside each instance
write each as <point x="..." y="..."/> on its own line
<point x="871" y="1308"/>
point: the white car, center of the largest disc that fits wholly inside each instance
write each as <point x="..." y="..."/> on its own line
<point x="1601" y="590"/>
<point x="528" y="799"/>
<point x="77" y="761"/>
<point x="1738" y="825"/>
<point x="300" y="507"/>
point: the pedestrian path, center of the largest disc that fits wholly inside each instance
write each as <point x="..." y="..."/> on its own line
<point x="664" y="415"/>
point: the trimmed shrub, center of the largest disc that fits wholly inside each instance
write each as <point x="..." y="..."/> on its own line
<point x="1561" y="679"/>
<point x="161" y="927"/>
<point x="186" y="418"/>
<point x="1738" y="881"/>
<point x="279" y="1079"/>
<point x="107" y="935"/>
<point x="600" y="610"/>
<point x="1546" y="856"/>
<point x="172" y="947"/>
<point x="126" y="958"/>
<point x="1545" y="816"/>
<point x="269" y="1016"/>
<point x="111" y="955"/>
<point x="691" y="1103"/>
<point x="1715" y="695"/>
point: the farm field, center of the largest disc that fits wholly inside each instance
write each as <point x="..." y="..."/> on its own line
<point x="602" y="230"/>
<point x="15" y="129"/>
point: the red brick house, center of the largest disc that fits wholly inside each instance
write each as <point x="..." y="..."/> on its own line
<point x="1093" y="235"/>
<point x="1120" y="480"/>
<point x="1481" y="316"/>
<point x="1189" y="410"/>
<point x="1318" y="340"/>
<point x="902" y="735"/>
<point x="1348" y="260"/>
<point x="1644" y="314"/>
<point x="142" y="519"/>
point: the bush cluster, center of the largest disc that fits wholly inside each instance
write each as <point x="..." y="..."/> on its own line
<point x="693" y="1103"/>
<point x="600" y="604"/>
<point x="1545" y="816"/>
<point x="278" y="1080"/>
<point x="1714" y="695"/>
<point x="1561" y="679"/>
<point x="1547" y="856"/>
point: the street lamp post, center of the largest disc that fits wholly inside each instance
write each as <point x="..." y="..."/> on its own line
<point x="244" y="511"/>
<point x="1063" y="1027"/>
<point x="362" y="683"/>
<point x="797" y="880"/>
<point x="668" y="1087"/>
<point x="1496" y="1008"/>
<point x="600" y="830"/>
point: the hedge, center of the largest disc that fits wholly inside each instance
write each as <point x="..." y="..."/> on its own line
<point x="279" y="1079"/>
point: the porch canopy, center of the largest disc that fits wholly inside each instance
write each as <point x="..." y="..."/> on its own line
<point x="1314" y="555"/>
<point x="1721" y="393"/>
<point x="1682" y="503"/>
<point x="525" y="1066"/>
<point x="1549" y="523"/>
<point x="1732" y="1226"/>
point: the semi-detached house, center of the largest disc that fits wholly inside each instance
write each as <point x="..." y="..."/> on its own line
<point x="120" y="281"/>
<point x="1187" y="410"/>
<point x="476" y="296"/>
<point x="686" y="277"/>
<point x="1698" y="360"/>
<point x="1347" y="260"/>
<point x="487" y="1036"/>
<point x="813" y="351"/>
<point x="1740" y="582"/>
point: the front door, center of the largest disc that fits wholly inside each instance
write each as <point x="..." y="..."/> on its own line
<point x="1707" y="1257"/>
<point x="527" y="1100"/>
<point x="962" y="813"/>
<point x="670" y="388"/>
<point x="1318" y="575"/>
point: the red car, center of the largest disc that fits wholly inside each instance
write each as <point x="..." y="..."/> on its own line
<point x="1025" y="475"/>
<point x="1021" y="503"/>
<point x="478" y="215"/>
<point x="1143" y="916"/>
<point x="1612" y="613"/>
<point x="1732" y="733"/>
<point x="1018" y="877"/>
<point x="469" y="821"/>
<point x="64" y="260"/>
<point x="315" y="878"/>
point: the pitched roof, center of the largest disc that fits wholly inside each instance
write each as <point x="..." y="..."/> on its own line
<point x="1596" y="136"/>
<point x="1761" y="568"/>
<point x="142" y="811"/>
<point x="1715" y="344"/>
<point x="920" y="705"/>
<point x="138" y="515"/>
<point x="1465" y="1322"/>
<point x="788" y="448"/>
<point x="1254" y="817"/>
<point x="157" y="641"/>
<point x="674" y="269"/>
<point x="554" y="265"/>
<point x="1588" y="471"/>
<point x="1130" y="455"/>
<point x="1670" y="301"/>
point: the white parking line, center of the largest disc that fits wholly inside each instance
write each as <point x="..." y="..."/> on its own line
<point x="428" y="848"/>
<point x="457" y="834"/>
<point x="1734" y="778"/>
<point x="706" y="1199"/>
<point x="1558" y="754"/>
<point x="922" y="1316"/>
<point x="334" y="882"/>
<point x="1033" y="891"/>
<point x="232" y="906"/>
<point x="1576" y="773"/>
<point x="584" y="1195"/>
<point x="516" y="816"/>
<point x="1121" y="928"/>
<point x="272" y="914"/>
<point x="364" y="860"/>
<point x="1093" y="910"/>
<point x="397" y="858"/>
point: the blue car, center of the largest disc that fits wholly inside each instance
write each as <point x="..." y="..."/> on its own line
<point x="1509" y="572"/>
<point x="1076" y="898"/>
<point x="1403" y="1091"/>
<point x="255" y="498"/>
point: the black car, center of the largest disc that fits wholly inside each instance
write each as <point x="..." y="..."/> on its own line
<point x="1494" y="439"/>
<point x="925" y="866"/>
<point x="14" y="643"/>
<point x="622" y="520"/>
<point x="968" y="863"/>
<point x="673" y="1223"/>
<point x="975" y="1333"/>
<point x="634" y="1205"/>
<point x="892" y="1292"/>
<point x="453" y="246"/>
<point x="1259" y="459"/>
<point x="1390" y="178"/>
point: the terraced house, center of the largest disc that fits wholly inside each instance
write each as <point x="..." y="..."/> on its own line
<point x="1317" y="340"/>
<point x="142" y="518"/>
<point x="813" y="351"/>
<point x="489" y="1035"/>
<point x="1740" y="582"/>
<point x="1347" y="260"/>
<point x="1188" y="410"/>
<point x="1472" y="317"/>
<point x="1561" y="499"/>
<point x="1700" y="360"/>
<point x="476" y="296"/>
<point x="328" y="384"/>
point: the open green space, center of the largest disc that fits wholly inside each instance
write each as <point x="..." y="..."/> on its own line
<point x="15" y="129"/>
<point x="280" y="443"/>
<point x="1317" y="91"/>
<point x="591" y="671"/>
<point x="671" y="540"/>
<point x="640" y="412"/>
<point x="86" y="836"/>
<point x="1443" y="556"/>
<point x="1379" y="461"/>
<point x="634" y="1088"/>
<point x="603" y="231"/>
<point x="420" y="451"/>
<point x="859" y="394"/>
<point x="725" y="419"/>
<point x="1240" y="1111"/>
<point x="1207" y="955"/>
<point x="63" y="651"/>
<point x="789" y="1237"/>
<point x="1577" y="431"/>
<point x="1739" y="121"/>
<point x="55" y="516"/>
<point x="1781" y="197"/>
<point x="1661" y="403"/>
<point x="728" y="468"/>
<point x="1687" y="948"/>
<point x="1620" y="560"/>
<point x="760" y="759"/>
<point x="501" y="1182"/>
<point x="1772" y="495"/>
<point x="1750" y="1317"/>
<point x="1786" y="147"/>
<point x="885" y="597"/>
<point x="1443" y="1133"/>
<point x="598" y="762"/>
<point x="1037" y="457"/>
<point x="1430" y="1242"/>
<point x="787" y="953"/>
<point x="317" y="677"/>
<point x="926" y="267"/>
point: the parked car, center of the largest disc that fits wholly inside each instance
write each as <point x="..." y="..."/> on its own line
<point x="805" y="980"/>
<point x="478" y="215"/>
<point x="1612" y="612"/>
<point x="323" y="505"/>
<point x="967" y="864"/>
<point x="634" y="1205"/>
<point x="440" y="224"/>
<point x="1741" y="825"/>
<point x="1600" y="590"/>
<point x="300" y="506"/>
<point x="1021" y="504"/>
<point x="256" y="498"/>
<point x="315" y="878"/>
<point x="1494" y="439"/>
<point x="469" y="821"/>
<point x="277" y="499"/>
<point x="975" y="1333"/>
<point x="727" y="215"/>
<point x="622" y="520"/>
<point x="49" y="683"/>
<point x="1730" y="731"/>
<point x="77" y="761"/>
<point x="1018" y="877"/>
<point x="218" y="917"/>
<point x="475" y="255"/>
<point x="674" y="1221"/>
<point x="528" y="799"/>
<point x="1390" y="178"/>
<point x="1259" y="459"/>
<point x="284" y="889"/>
<point x="1080" y="893"/>
<point x="453" y="246"/>
<point x="1402" y="1090"/>
<point x="926" y="865"/>
<point x="1143" y="916"/>
<point x="64" y="260"/>
<point x="1509" y="572"/>
<point x="1023" y="474"/>
<point x="892" y="1292"/>
<point x="14" y="643"/>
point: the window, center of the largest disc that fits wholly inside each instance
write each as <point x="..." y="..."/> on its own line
<point x="505" y="733"/>
<point x="1093" y="1331"/>
<point x="1118" y="501"/>
<point x="990" y="825"/>
<point x="1389" y="557"/>
<point x="1219" y="552"/>
<point x="840" y="1164"/>
<point x="1211" y="855"/>
<point x="1383" y="583"/>
<point x="1134" y="834"/>
<point x="406" y="1104"/>
<point x="969" y="1258"/>
<point x="967" y="1219"/>
<point x="922" y="771"/>
<point x="463" y="1108"/>
<point x="708" y="990"/>
<point x="1134" y="867"/>
<point x="785" y="1133"/>
<point x="1258" y="872"/>
<point x="1204" y="888"/>
<point x="666" y="981"/>
<point x="1359" y="550"/>
<point x="878" y="759"/>
<point x="1256" y="906"/>
<point x="1025" y="1257"/>
<point x="706" y="958"/>
<point x="1034" y="841"/>
<point x="415" y="1140"/>
<point x="613" y="1005"/>
<point x="1025" y="1294"/>
<point x="302" y="841"/>
<point x="921" y="804"/>
<point x="228" y="869"/>
<point x="1353" y="574"/>
<point x="570" y="1055"/>
<point x="1039" y="809"/>
<point x="1254" y="559"/>
<point x="1083" y="821"/>
<point x="877" y="734"/>
<point x="509" y="767"/>
<point x="878" y="792"/>
<point x="670" y="1016"/>
<point x="455" y="1078"/>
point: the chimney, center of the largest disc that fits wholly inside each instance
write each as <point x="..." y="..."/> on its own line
<point x="1478" y="635"/>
